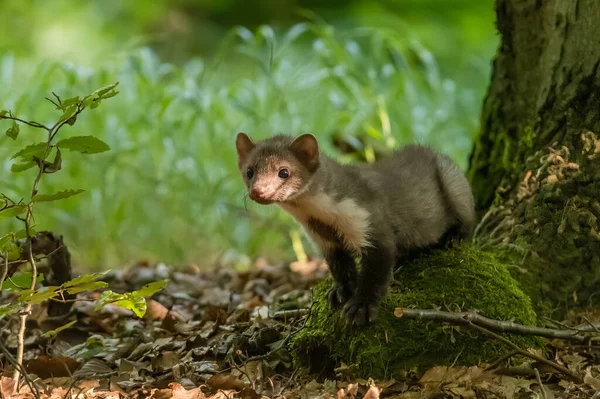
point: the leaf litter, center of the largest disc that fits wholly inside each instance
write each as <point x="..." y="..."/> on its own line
<point x="223" y="334"/>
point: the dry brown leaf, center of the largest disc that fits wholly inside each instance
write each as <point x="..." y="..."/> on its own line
<point x="165" y="361"/>
<point x="46" y="367"/>
<point x="590" y="380"/>
<point x="179" y="392"/>
<point x="223" y="381"/>
<point x="155" y="310"/>
<point x="372" y="393"/>
<point x="248" y="393"/>
<point x="7" y="386"/>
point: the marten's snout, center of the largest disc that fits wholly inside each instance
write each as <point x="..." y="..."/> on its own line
<point x="257" y="193"/>
<point x="262" y="194"/>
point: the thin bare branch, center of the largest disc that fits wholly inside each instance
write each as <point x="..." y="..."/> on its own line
<point x="496" y="325"/>
<point x="30" y="123"/>
<point x="25" y="313"/>
<point x="52" y="101"/>
<point x="470" y="318"/>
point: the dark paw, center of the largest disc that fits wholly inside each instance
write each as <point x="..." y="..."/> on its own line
<point x="453" y="242"/>
<point x="338" y="295"/>
<point x="359" y="311"/>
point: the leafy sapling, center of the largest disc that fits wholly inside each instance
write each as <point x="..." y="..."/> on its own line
<point x="414" y="199"/>
<point x="16" y="247"/>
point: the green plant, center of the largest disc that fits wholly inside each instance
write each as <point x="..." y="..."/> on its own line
<point x="16" y="248"/>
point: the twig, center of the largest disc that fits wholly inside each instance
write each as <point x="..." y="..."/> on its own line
<point x="591" y="325"/>
<point x="284" y="386"/>
<point x="539" y="380"/>
<point x="495" y="325"/>
<point x="574" y="377"/>
<point x="470" y="318"/>
<point x="30" y="123"/>
<point x="53" y="102"/>
<point x="25" y="313"/>
<point x="4" y="271"/>
<point x="16" y="365"/>
<point x="497" y="362"/>
<point x="284" y="314"/>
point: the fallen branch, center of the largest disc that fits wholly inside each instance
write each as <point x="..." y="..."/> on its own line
<point x="578" y="335"/>
<point x="472" y="320"/>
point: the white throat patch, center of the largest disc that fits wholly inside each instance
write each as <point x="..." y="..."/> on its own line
<point x="349" y="219"/>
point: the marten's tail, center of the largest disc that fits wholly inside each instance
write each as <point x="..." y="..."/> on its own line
<point x="458" y="195"/>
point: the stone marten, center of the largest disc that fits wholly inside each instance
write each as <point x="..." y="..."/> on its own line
<point x="414" y="199"/>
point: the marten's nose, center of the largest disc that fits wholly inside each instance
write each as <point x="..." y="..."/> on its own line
<point x="257" y="193"/>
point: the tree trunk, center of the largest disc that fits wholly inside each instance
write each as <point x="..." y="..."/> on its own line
<point x="536" y="166"/>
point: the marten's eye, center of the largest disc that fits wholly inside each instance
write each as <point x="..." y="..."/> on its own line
<point x="249" y="173"/>
<point x="284" y="173"/>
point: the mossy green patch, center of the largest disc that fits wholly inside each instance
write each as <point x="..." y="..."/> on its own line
<point x="459" y="279"/>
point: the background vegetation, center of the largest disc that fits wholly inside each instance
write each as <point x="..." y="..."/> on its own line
<point x="363" y="76"/>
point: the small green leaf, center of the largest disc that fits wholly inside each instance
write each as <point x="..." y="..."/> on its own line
<point x="13" y="251"/>
<point x="83" y="279"/>
<point x="5" y="239"/>
<point x="86" y="282"/>
<point x="84" y="144"/>
<point x="126" y="301"/>
<point x="136" y="305"/>
<point x="150" y="289"/>
<point x="23" y="233"/>
<point x="107" y="297"/>
<point x="103" y="90"/>
<point x="57" y="196"/>
<point x="54" y="333"/>
<point x="9" y="309"/>
<point x="13" y="131"/>
<point x="12" y="211"/>
<point x="31" y="150"/>
<point x="87" y="287"/>
<point x="69" y="111"/>
<point x="109" y="94"/>
<point x="20" y="281"/>
<point x="36" y="297"/>
<point x="87" y="101"/>
<point x="20" y="167"/>
<point x="69" y="101"/>
<point x="3" y="112"/>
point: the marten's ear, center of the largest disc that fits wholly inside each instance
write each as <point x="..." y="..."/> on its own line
<point x="243" y="145"/>
<point x="306" y="148"/>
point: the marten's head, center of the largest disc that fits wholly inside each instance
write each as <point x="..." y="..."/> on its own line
<point x="279" y="168"/>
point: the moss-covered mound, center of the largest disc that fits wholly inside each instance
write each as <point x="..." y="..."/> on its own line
<point x="459" y="279"/>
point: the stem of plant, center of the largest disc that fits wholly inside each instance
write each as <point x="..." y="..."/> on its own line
<point x="25" y="313"/>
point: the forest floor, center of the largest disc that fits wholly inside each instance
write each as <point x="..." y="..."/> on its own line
<point x="224" y="334"/>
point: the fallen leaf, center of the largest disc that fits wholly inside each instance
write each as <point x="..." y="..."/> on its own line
<point x="248" y="393"/>
<point x="372" y="393"/>
<point x="590" y="380"/>
<point x="223" y="381"/>
<point x="155" y="310"/>
<point x="179" y="392"/>
<point x="45" y="367"/>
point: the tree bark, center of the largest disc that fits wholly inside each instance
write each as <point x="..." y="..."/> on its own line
<point x="535" y="168"/>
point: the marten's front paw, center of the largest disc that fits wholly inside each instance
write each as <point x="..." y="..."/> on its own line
<point x="338" y="295"/>
<point x="359" y="311"/>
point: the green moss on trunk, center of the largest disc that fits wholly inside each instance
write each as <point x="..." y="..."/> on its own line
<point x="460" y="279"/>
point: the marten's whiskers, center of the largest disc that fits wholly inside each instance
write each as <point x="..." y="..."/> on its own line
<point x="246" y="202"/>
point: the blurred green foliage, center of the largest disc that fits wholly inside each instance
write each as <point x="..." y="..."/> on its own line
<point x="376" y="75"/>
